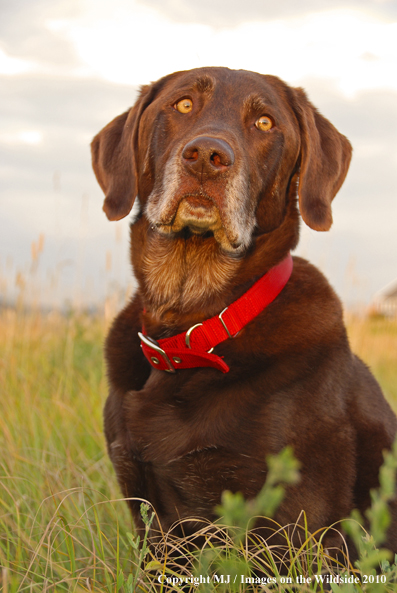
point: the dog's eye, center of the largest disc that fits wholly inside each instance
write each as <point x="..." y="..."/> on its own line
<point x="264" y="123"/>
<point x="184" y="105"/>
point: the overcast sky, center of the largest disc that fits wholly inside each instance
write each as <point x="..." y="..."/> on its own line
<point x="67" y="67"/>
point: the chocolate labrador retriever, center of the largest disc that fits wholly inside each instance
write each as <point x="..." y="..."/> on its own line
<point x="231" y="349"/>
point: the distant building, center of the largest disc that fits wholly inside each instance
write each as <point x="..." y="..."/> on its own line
<point x="385" y="301"/>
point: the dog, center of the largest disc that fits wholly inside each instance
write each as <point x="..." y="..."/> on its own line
<point x="231" y="349"/>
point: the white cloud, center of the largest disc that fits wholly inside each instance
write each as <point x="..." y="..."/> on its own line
<point x="30" y="136"/>
<point x="12" y="66"/>
<point x="136" y="44"/>
<point x="24" y="136"/>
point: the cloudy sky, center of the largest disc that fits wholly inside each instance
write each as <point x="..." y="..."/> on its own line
<point x="67" y="67"/>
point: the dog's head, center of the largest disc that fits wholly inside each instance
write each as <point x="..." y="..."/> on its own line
<point x="213" y="152"/>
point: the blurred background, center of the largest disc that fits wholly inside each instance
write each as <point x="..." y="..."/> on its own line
<point x="68" y="67"/>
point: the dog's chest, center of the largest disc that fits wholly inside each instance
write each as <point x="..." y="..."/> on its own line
<point x="169" y="421"/>
<point x="194" y="446"/>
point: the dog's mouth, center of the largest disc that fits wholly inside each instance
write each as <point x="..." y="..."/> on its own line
<point x="198" y="214"/>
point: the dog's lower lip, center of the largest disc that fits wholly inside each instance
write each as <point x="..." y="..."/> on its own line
<point x="198" y="230"/>
<point x="196" y="203"/>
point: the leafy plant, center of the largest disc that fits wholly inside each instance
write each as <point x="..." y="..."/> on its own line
<point x="371" y="558"/>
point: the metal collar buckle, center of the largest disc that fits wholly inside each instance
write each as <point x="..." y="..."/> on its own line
<point x="151" y="343"/>
<point x="224" y="324"/>
<point x="188" y="334"/>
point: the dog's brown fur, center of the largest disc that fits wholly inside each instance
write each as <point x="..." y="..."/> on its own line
<point x="206" y="231"/>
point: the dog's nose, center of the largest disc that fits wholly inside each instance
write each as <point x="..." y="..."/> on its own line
<point x="207" y="156"/>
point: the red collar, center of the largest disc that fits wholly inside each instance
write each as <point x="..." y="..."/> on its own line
<point x="193" y="347"/>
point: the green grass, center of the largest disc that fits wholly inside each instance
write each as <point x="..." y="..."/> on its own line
<point x="56" y="479"/>
<point x="63" y="526"/>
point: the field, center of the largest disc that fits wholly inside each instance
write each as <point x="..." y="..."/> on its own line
<point x="63" y="526"/>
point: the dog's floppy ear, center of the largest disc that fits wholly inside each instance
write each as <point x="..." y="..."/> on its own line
<point x="325" y="159"/>
<point x="114" y="156"/>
